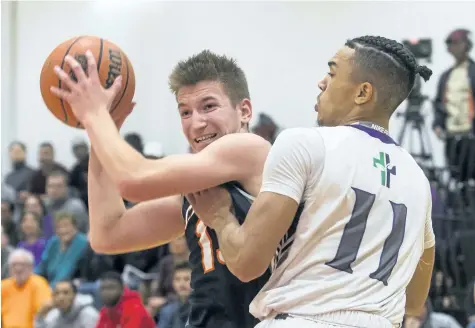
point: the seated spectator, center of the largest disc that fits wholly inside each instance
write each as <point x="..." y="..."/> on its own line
<point x="35" y="204"/>
<point x="63" y="251"/>
<point x="8" y="193"/>
<point x="31" y="231"/>
<point x="179" y="253"/>
<point x="20" y="175"/>
<point x="58" y="199"/>
<point x="8" y="224"/>
<point x="91" y="267"/>
<point x="6" y="251"/>
<point x="122" y="307"/>
<point x="24" y="293"/>
<point x="175" y="313"/>
<point x="47" y="165"/>
<point x="67" y="309"/>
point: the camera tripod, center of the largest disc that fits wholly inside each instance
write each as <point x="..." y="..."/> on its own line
<point x="414" y="124"/>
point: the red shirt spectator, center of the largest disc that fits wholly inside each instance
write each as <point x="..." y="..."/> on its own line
<point x="123" y="307"/>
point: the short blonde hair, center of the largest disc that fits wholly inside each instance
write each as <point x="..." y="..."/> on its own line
<point x="208" y="66"/>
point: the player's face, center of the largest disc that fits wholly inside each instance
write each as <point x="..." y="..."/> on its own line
<point x="336" y="100"/>
<point x="207" y="113"/>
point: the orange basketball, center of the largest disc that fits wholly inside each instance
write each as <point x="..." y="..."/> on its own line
<point x="111" y="62"/>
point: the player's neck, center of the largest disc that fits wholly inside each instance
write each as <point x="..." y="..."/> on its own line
<point x="382" y="122"/>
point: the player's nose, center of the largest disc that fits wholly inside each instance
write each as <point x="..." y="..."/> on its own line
<point x="198" y="121"/>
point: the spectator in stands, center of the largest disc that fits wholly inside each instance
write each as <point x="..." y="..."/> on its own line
<point x="63" y="252"/>
<point x="47" y="165"/>
<point x="175" y="313"/>
<point x="67" y="309"/>
<point x="20" y="175"/>
<point x="30" y="225"/>
<point x="92" y="266"/>
<point x="470" y="305"/>
<point x="8" y="193"/>
<point x="178" y="253"/>
<point x="58" y="200"/>
<point x="122" y="307"/>
<point x="35" y="204"/>
<point x="24" y="293"/>
<point x="80" y="149"/>
<point x="6" y="251"/>
<point x="454" y="105"/>
<point x="8" y="224"/>
<point x="78" y="176"/>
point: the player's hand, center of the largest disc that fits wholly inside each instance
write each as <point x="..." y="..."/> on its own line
<point x="86" y="96"/>
<point x="212" y="205"/>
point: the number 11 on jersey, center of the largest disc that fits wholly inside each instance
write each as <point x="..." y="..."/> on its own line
<point x="206" y="245"/>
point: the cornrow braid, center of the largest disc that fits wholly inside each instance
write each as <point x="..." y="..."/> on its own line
<point x="389" y="66"/>
<point x="400" y="53"/>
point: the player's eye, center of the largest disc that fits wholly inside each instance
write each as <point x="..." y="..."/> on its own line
<point x="185" y="113"/>
<point x="330" y="74"/>
<point x="209" y="107"/>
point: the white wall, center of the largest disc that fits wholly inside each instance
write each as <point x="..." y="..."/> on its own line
<point x="282" y="46"/>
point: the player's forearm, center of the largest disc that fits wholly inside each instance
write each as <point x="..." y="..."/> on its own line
<point x="237" y="250"/>
<point x="106" y="206"/>
<point x="117" y="157"/>
<point x="418" y="288"/>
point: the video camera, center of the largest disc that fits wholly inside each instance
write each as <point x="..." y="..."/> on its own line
<point x="422" y="50"/>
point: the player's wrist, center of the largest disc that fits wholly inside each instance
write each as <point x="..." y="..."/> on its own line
<point x="95" y="118"/>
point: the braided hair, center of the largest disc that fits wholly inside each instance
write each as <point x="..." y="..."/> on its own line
<point x="389" y="66"/>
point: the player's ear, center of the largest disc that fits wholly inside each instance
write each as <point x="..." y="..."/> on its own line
<point x="245" y="108"/>
<point x="364" y="93"/>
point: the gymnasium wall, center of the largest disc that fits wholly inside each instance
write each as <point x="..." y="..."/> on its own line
<point x="282" y="46"/>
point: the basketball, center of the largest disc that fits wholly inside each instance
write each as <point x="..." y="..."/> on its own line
<point x="111" y="62"/>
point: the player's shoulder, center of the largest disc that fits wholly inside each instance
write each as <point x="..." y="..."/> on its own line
<point x="415" y="167"/>
<point x="302" y="136"/>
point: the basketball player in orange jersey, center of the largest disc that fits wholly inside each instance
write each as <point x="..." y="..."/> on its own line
<point x="215" y="109"/>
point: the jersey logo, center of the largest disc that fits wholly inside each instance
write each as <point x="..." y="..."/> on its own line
<point x="387" y="169"/>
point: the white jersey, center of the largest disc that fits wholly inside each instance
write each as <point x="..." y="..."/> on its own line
<point x="365" y="223"/>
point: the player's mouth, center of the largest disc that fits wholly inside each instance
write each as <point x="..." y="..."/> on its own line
<point x="207" y="138"/>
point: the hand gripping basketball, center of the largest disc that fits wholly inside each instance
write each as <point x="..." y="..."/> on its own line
<point x="87" y="96"/>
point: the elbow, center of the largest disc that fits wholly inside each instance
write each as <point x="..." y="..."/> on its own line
<point x="102" y="244"/>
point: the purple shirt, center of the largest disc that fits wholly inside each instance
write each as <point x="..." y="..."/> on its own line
<point x="36" y="248"/>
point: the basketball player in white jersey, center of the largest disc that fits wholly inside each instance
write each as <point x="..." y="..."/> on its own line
<point x="360" y="253"/>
